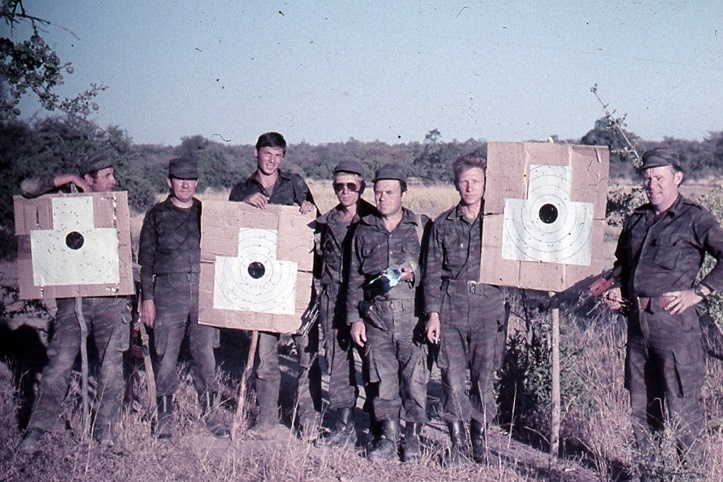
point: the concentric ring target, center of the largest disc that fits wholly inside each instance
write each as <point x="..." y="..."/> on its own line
<point x="548" y="226"/>
<point x="255" y="280"/>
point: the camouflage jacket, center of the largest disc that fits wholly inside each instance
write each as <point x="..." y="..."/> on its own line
<point x="289" y="189"/>
<point x="170" y="242"/>
<point x="374" y="249"/>
<point x="333" y="243"/>
<point x="654" y="256"/>
<point x="453" y="253"/>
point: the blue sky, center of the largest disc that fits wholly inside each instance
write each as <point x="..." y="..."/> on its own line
<point x="391" y="71"/>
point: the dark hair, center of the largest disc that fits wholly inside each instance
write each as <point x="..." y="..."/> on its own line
<point x="468" y="162"/>
<point x="271" y="139"/>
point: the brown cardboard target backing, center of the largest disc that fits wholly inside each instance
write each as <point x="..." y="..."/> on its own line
<point x="74" y="245"/>
<point x="544" y="214"/>
<point x="256" y="266"/>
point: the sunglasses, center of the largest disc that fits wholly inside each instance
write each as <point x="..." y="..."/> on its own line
<point x="350" y="186"/>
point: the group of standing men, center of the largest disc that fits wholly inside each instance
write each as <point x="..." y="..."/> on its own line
<point x="397" y="287"/>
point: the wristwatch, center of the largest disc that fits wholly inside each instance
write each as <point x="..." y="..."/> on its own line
<point x="698" y="290"/>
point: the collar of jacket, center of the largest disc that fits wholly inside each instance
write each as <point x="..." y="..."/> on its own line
<point x="375" y="220"/>
<point x="673" y="210"/>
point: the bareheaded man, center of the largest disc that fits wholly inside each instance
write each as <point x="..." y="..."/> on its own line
<point x="465" y="318"/>
<point x="270" y="185"/>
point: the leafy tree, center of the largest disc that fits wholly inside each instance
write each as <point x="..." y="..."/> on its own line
<point x="30" y="65"/>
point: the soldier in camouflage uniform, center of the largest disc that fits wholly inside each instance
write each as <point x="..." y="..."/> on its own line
<point x="466" y="319"/>
<point x="170" y="257"/>
<point x="659" y="254"/>
<point x="108" y="321"/>
<point x="334" y="231"/>
<point x="270" y="185"/>
<point x="382" y="314"/>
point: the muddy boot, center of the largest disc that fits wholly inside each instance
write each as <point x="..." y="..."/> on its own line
<point x="386" y="448"/>
<point x="213" y="422"/>
<point x="458" y="448"/>
<point x="344" y="432"/>
<point x="103" y="434"/>
<point x="30" y="443"/>
<point x="479" y="447"/>
<point x="164" y="429"/>
<point x="411" y="448"/>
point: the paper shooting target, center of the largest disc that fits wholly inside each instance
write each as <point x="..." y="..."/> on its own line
<point x="544" y="214"/>
<point x="548" y="226"/>
<point x="72" y="245"/>
<point x="255" y="280"/>
<point x="256" y="266"/>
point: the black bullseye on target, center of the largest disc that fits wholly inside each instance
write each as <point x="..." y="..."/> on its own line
<point x="257" y="270"/>
<point x="74" y="240"/>
<point x="548" y="213"/>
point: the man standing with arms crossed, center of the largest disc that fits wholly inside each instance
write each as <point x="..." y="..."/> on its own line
<point x="170" y="257"/>
<point x="659" y="254"/>
<point x="334" y="234"/>
<point x="269" y="185"/>
<point x="383" y="280"/>
<point x="108" y="319"/>
<point x="467" y="319"/>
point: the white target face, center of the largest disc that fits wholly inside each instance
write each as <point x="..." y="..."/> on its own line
<point x="74" y="252"/>
<point x="548" y="226"/>
<point x="255" y="280"/>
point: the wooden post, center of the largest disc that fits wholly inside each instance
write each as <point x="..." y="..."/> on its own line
<point x="241" y="401"/>
<point x="83" y="364"/>
<point x="555" y="375"/>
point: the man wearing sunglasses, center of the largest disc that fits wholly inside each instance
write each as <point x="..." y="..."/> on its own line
<point x="334" y="231"/>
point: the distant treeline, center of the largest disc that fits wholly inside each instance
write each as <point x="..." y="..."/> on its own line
<point x="55" y="144"/>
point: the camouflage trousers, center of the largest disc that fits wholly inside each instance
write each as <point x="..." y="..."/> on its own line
<point x="176" y="299"/>
<point x="473" y="336"/>
<point x="268" y="377"/>
<point x="665" y="371"/>
<point x="343" y="389"/>
<point x="397" y="363"/>
<point x="108" y="321"/>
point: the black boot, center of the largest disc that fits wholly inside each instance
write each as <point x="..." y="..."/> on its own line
<point x="386" y="448"/>
<point x="213" y="422"/>
<point x="411" y="449"/>
<point x="479" y="447"/>
<point x="344" y="432"/>
<point x="458" y="448"/>
<point x="164" y="428"/>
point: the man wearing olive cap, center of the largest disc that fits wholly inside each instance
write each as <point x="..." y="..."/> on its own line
<point x="659" y="254"/>
<point x="381" y="309"/>
<point x="108" y="319"/>
<point x="170" y="257"/>
<point x="334" y="231"/>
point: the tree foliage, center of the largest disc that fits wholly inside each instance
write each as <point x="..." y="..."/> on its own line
<point x="31" y="66"/>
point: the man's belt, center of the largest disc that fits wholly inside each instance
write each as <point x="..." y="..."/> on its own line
<point x="461" y="287"/>
<point x="658" y="302"/>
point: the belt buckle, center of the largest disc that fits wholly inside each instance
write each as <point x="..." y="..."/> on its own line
<point x="472" y="287"/>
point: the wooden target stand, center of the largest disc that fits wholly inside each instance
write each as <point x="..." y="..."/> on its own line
<point x="544" y="220"/>
<point x="256" y="273"/>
